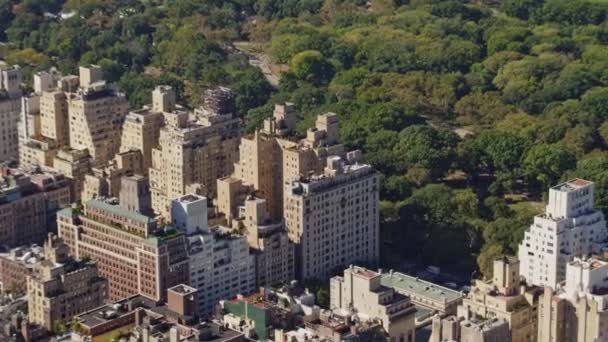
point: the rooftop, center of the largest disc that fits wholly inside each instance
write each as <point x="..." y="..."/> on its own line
<point x="115" y="209"/>
<point x="408" y="284"/>
<point x="572" y="185"/>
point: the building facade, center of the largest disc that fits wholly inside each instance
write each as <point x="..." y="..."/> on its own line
<point x="360" y="291"/>
<point x="29" y="200"/>
<point x="97" y="113"/>
<point x="220" y="263"/>
<point x="16" y="265"/>
<point x="570" y="227"/>
<point x="578" y="311"/>
<point x="10" y="109"/>
<point x="62" y="287"/>
<point x="505" y="298"/>
<point x="333" y="218"/>
<point x="135" y="253"/>
<point x="194" y="150"/>
<point x="455" y="329"/>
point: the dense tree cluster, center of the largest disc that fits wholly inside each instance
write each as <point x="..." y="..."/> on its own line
<point x="465" y="107"/>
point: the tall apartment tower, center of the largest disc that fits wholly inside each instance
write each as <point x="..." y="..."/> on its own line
<point x="578" y="311"/>
<point x="274" y="253"/>
<point x="10" y="109"/>
<point x="45" y="123"/>
<point x="220" y="263"/>
<point x="132" y="251"/>
<point x="194" y="150"/>
<point x="141" y="129"/>
<point x="61" y="287"/>
<point x="97" y="113"/>
<point x="333" y="217"/>
<point x="360" y="290"/>
<point x="570" y="227"/>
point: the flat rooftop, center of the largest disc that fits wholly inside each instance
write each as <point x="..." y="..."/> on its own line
<point x="119" y="211"/>
<point x="422" y="288"/>
<point x="572" y="185"/>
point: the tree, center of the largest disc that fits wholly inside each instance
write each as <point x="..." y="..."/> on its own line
<point x="311" y="66"/>
<point x="426" y="147"/>
<point x="485" y="259"/>
<point x="544" y="164"/>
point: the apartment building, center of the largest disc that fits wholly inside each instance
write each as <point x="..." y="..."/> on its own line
<point x="195" y="149"/>
<point x="74" y="164"/>
<point x="105" y="181"/>
<point x="62" y="287"/>
<point x="333" y="217"/>
<point x="454" y="329"/>
<point x="360" y="291"/>
<point x="220" y="263"/>
<point x="578" y="310"/>
<point x="270" y="158"/>
<point x="141" y="129"/>
<point x="97" y="112"/>
<point x="504" y="297"/>
<point x="570" y="227"/>
<point x="29" y="200"/>
<point x="134" y="252"/>
<point x="274" y="253"/>
<point x="16" y="265"/>
<point x="44" y="119"/>
<point x="10" y="109"/>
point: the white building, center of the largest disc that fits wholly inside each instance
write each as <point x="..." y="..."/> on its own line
<point x="221" y="266"/>
<point x="569" y="227"/>
<point x="577" y="311"/>
<point x="10" y="109"/>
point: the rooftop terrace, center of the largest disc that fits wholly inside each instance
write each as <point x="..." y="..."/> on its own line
<point x="572" y="185"/>
<point x="412" y="285"/>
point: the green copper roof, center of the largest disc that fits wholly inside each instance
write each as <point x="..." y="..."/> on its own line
<point x="131" y="215"/>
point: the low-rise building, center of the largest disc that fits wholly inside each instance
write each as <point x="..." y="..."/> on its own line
<point x="62" y="287"/>
<point x="29" y="200"/>
<point x="360" y="291"/>
<point x="425" y="294"/>
<point x="16" y="265"/>
<point x="142" y="319"/>
<point x="504" y="297"/>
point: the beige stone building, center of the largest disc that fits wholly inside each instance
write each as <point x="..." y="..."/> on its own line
<point x="74" y="164"/>
<point x="578" y="310"/>
<point x="45" y="121"/>
<point x="62" y="287"/>
<point x="360" y="291"/>
<point x="141" y="129"/>
<point x="134" y="252"/>
<point x="274" y="253"/>
<point x="29" y="199"/>
<point x="10" y="109"/>
<point x="97" y="113"/>
<point x="333" y="217"/>
<point x="195" y="149"/>
<point x="105" y="181"/>
<point x="504" y="297"/>
<point x="453" y="329"/>
<point x="326" y="197"/>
